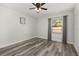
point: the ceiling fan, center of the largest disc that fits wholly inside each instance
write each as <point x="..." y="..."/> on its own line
<point x="38" y="7"/>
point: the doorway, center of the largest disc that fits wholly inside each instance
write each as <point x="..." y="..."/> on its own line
<point x="57" y="29"/>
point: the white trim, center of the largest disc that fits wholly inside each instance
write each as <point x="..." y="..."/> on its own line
<point x="77" y="48"/>
<point x="69" y="42"/>
<point x="14" y="42"/>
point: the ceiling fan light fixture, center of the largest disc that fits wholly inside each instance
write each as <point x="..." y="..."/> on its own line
<point x="38" y="7"/>
<point x="38" y="10"/>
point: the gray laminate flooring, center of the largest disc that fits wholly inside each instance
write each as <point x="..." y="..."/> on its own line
<point x="39" y="47"/>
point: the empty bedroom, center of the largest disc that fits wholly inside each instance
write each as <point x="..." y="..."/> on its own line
<point x="39" y="29"/>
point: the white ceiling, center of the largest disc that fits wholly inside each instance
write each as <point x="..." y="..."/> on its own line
<point x="52" y="8"/>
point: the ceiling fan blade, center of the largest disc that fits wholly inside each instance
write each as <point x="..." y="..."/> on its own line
<point x="44" y="8"/>
<point x="42" y="4"/>
<point x="31" y="8"/>
<point x="34" y="4"/>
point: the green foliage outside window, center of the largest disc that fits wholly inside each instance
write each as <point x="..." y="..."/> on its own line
<point x="57" y="22"/>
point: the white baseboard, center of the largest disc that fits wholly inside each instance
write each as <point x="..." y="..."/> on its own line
<point x="28" y="39"/>
<point x="69" y="42"/>
<point x="77" y="48"/>
<point x="15" y="42"/>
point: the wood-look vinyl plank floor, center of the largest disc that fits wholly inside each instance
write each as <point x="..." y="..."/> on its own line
<point x="39" y="47"/>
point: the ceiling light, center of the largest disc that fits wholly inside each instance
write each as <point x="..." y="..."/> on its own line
<point x="38" y="10"/>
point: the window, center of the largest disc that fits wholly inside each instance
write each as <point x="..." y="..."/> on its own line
<point x="57" y="24"/>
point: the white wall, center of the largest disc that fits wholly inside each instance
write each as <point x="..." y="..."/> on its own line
<point x="42" y="25"/>
<point x="76" y="27"/>
<point x="11" y="31"/>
